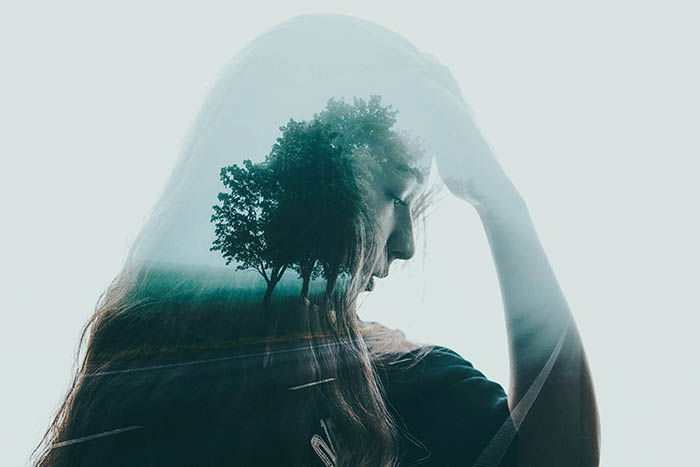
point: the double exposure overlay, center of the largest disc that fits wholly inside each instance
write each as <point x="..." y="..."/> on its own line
<point x="231" y="335"/>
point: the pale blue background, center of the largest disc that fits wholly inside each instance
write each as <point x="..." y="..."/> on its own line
<point x="592" y="108"/>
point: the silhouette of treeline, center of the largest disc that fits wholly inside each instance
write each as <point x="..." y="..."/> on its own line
<point x="307" y="206"/>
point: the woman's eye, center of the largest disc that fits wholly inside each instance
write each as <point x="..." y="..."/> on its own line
<point x="396" y="201"/>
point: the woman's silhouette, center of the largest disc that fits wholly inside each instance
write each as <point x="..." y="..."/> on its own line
<point x="186" y="364"/>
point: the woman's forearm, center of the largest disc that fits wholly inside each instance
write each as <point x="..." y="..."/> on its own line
<point x="551" y="393"/>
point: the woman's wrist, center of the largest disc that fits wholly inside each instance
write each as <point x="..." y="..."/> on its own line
<point x="501" y="201"/>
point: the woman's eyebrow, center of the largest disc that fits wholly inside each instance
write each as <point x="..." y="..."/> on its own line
<point x="408" y="187"/>
<point x="400" y="190"/>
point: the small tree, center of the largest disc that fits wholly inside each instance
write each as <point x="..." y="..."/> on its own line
<point x="242" y="222"/>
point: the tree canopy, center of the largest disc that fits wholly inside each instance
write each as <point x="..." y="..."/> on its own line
<point x="300" y="207"/>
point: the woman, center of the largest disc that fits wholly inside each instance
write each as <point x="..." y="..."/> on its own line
<point x="184" y="366"/>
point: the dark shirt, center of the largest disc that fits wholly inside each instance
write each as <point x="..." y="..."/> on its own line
<point x="451" y="410"/>
<point x="451" y="407"/>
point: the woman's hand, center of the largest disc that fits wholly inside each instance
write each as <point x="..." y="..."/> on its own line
<point x="466" y="162"/>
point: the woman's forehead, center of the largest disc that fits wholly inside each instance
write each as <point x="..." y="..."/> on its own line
<point x="401" y="178"/>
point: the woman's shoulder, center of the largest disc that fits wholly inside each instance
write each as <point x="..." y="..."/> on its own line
<point x="451" y="407"/>
<point x="432" y="368"/>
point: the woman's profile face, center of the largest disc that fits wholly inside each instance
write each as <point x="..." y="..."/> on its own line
<point x="395" y="191"/>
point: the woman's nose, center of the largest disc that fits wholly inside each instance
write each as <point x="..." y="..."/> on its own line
<point x="401" y="245"/>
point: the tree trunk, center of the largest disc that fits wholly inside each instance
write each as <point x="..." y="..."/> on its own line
<point x="330" y="285"/>
<point x="268" y="294"/>
<point x="275" y="277"/>
<point x="305" y="286"/>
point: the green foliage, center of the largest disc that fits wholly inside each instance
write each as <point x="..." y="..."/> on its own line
<point x="366" y="128"/>
<point x="319" y="196"/>
<point x="300" y="207"/>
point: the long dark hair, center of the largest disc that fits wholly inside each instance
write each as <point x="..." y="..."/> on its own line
<point x="161" y="327"/>
<point x="179" y="361"/>
<point x="184" y="352"/>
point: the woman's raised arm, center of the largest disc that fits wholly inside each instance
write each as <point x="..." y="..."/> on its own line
<point x="551" y="396"/>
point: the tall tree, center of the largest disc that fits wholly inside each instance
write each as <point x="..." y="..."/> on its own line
<point x="325" y="167"/>
<point x="307" y="162"/>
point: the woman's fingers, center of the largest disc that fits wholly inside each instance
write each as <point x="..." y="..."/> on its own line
<point x="465" y="160"/>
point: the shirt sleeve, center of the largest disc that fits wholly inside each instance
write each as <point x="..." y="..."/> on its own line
<point x="455" y="412"/>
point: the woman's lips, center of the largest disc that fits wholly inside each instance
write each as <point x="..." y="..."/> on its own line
<point x="378" y="275"/>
